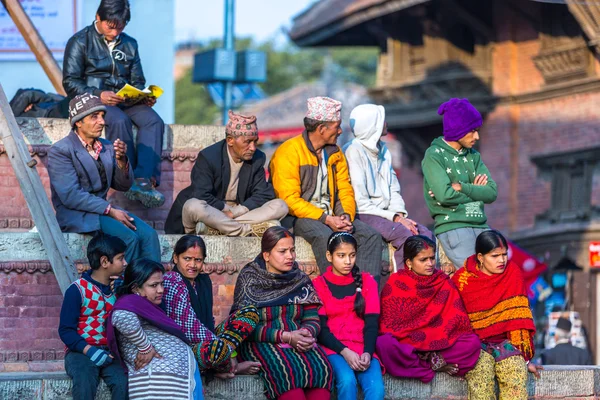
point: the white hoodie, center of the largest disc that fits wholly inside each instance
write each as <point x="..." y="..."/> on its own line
<point x="375" y="183"/>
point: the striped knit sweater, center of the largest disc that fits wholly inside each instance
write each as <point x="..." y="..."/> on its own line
<point x="169" y="377"/>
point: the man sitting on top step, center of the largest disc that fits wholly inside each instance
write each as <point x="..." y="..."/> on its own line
<point x="229" y="193"/>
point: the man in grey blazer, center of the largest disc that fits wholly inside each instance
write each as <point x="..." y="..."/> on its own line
<point x="82" y="168"/>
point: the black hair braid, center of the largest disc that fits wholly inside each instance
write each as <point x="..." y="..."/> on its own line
<point x="359" y="300"/>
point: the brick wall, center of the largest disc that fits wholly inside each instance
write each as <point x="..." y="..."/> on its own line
<point x="14" y="213"/>
<point x="547" y="126"/>
<point x="29" y="314"/>
<point x="556" y="125"/>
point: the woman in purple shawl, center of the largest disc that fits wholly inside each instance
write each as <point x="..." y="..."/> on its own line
<point x="150" y="346"/>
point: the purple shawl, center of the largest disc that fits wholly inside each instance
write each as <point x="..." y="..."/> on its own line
<point x="143" y="308"/>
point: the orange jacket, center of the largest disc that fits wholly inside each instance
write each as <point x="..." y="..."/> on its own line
<point x="294" y="168"/>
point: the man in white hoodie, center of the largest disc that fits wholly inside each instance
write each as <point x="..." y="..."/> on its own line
<point x="376" y="187"/>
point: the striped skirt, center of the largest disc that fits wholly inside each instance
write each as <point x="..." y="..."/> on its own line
<point x="159" y="386"/>
<point x="284" y="368"/>
<point x="156" y="384"/>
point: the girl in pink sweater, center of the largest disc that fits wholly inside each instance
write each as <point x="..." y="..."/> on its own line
<point x="349" y="321"/>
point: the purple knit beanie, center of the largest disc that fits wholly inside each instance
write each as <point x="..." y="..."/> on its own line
<point x="460" y="118"/>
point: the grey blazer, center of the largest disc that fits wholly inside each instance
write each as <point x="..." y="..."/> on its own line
<point x="75" y="183"/>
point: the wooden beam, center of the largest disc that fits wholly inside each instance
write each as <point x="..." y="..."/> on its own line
<point x="35" y="195"/>
<point x="36" y="43"/>
<point x="588" y="17"/>
<point x="461" y="13"/>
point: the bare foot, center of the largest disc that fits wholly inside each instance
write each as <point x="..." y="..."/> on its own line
<point x="450" y="369"/>
<point x="248" y="368"/>
<point x="225" y="375"/>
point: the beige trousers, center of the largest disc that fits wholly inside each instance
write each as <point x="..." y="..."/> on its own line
<point x="195" y="211"/>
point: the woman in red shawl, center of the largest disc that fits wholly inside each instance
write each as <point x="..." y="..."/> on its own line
<point x="424" y="326"/>
<point x="494" y="294"/>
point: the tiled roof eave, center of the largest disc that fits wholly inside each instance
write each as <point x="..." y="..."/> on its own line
<point x="310" y="30"/>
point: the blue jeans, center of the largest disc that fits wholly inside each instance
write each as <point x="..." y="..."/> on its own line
<point x="86" y="377"/>
<point x="141" y="243"/>
<point x="346" y="380"/>
<point x="198" y="390"/>
<point x="145" y="154"/>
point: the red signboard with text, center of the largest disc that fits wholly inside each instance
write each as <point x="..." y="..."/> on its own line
<point x="595" y="254"/>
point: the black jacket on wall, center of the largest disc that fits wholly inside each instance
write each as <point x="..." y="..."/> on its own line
<point x="210" y="180"/>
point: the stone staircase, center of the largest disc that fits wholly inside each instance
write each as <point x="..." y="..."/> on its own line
<point x="556" y="383"/>
<point x="31" y="353"/>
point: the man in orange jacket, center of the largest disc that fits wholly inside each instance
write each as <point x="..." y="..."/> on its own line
<point x="309" y="172"/>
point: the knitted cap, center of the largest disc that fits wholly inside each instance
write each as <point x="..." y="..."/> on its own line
<point x="241" y="125"/>
<point x="324" y="109"/>
<point x="84" y="105"/>
<point x="460" y="118"/>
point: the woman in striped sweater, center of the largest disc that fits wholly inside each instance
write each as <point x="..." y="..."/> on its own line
<point x="293" y="366"/>
<point x="151" y="347"/>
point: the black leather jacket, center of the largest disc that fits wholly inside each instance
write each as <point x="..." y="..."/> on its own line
<point x="89" y="66"/>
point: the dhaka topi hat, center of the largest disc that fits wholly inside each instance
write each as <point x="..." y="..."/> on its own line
<point x="564" y="324"/>
<point x="324" y="109"/>
<point x="83" y="105"/>
<point x="460" y="118"/>
<point x="241" y="125"/>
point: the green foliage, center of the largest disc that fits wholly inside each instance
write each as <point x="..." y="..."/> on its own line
<point x="193" y="104"/>
<point x="287" y="66"/>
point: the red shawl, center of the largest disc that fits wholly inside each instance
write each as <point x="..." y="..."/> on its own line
<point x="497" y="304"/>
<point x="425" y="312"/>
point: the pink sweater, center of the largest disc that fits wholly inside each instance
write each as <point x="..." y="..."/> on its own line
<point x="343" y="322"/>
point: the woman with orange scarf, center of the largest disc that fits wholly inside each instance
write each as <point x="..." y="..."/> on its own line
<point x="424" y="326"/>
<point x="494" y="294"/>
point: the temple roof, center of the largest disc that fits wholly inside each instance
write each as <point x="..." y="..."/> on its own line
<point x="281" y="116"/>
<point x="326" y="19"/>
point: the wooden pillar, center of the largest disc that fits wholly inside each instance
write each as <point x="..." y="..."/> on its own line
<point x="588" y="16"/>
<point x="36" y="43"/>
<point x="35" y="195"/>
<point x="514" y="111"/>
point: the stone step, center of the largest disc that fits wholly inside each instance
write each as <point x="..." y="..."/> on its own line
<point x="46" y="131"/>
<point x="181" y="144"/>
<point x="27" y="246"/>
<point x="557" y="382"/>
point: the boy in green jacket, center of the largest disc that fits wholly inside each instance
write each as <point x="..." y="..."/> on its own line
<point x="457" y="183"/>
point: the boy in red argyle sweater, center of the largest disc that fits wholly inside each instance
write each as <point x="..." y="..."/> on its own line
<point x="83" y="317"/>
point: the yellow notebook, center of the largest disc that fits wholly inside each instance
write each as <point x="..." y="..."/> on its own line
<point x="133" y="95"/>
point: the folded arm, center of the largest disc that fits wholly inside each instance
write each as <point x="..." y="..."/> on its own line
<point x="486" y="193"/>
<point x="441" y="186"/>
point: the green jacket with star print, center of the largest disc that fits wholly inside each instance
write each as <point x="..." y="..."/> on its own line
<point x="442" y="166"/>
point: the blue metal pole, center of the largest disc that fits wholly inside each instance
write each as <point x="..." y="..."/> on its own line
<point x="228" y="44"/>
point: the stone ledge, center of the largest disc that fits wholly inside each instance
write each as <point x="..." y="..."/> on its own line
<point x="24" y="247"/>
<point x="45" y="131"/>
<point x="24" y="252"/>
<point x="556" y="383"/>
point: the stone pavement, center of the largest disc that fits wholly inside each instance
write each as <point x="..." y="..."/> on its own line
<point x="555" y="383"/>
